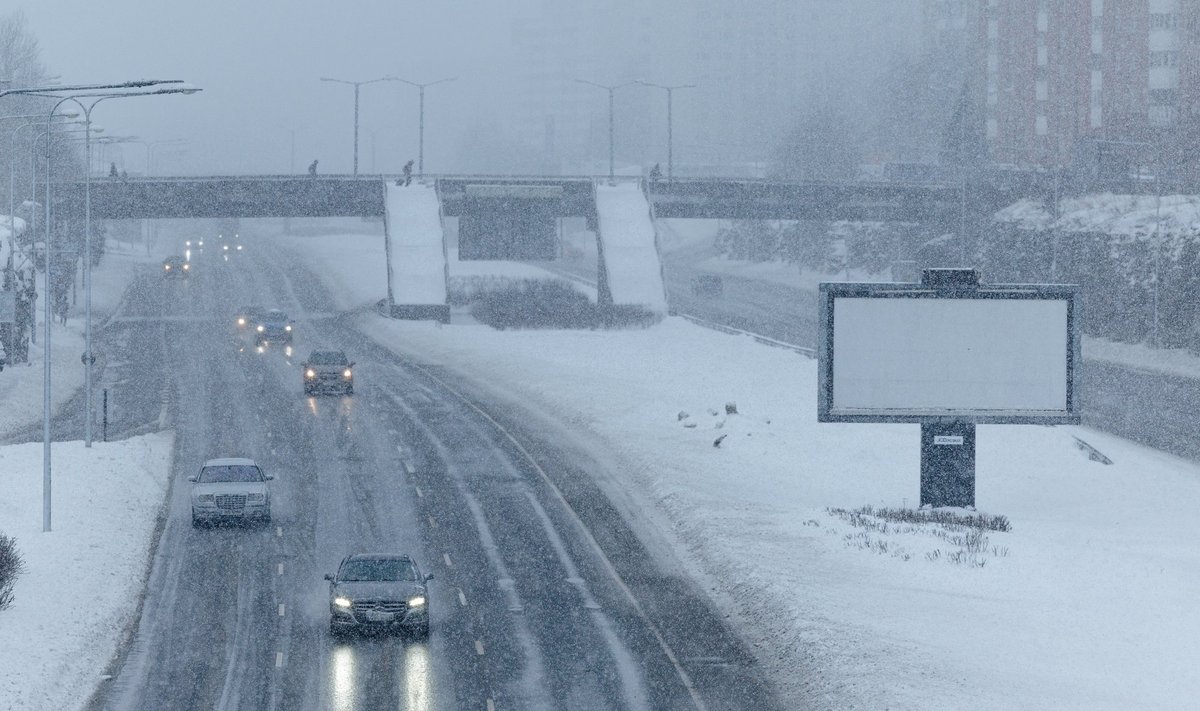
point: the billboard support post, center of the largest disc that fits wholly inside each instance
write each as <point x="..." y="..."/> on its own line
<point x="948" y="464"/>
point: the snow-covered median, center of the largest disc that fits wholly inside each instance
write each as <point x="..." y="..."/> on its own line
<point x="1088" y="602"/>
<point x="83" y="580"/>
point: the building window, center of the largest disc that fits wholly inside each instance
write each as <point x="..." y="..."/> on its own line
<point x="1161" y="115"/>
<point x="1163" y="97"/>
<point x="1164" y="59"/>
<point x="1164" y="21"/>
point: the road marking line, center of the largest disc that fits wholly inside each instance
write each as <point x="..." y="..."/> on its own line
<point x="446" y="557"/>
<point x="279" y="660"/>
<point x="418" y="490"/>
<point x="462" y="599"/>
<point x="279" y="531"/>
<point x="279" y="569"/>
<point x="432" y="523"/>
<point x="479" y="647"/>
<point x="491" y="705"/>
<point x="398" y="447"/>
<point x="281" y="608"/>
<point x="408" y="467"/>
<point x="684" y="677"/>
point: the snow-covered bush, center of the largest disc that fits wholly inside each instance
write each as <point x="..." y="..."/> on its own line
<point x="11" y="566"/>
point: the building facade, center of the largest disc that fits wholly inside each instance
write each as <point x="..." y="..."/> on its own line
<point x="1064" y="80"/>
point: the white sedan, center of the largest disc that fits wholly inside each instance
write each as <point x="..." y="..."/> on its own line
<point x="230" y="489"/>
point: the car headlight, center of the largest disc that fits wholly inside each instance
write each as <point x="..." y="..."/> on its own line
<point x="226" y="247"/>
<point x="241" y="322"/>
<point x="287" y="328"/>
<point x="167" y="267"/>
<point x="205" y="498"/>
<point x="239" y="247"/>
<point x="343" y="602"/>
<point x="348" y="374"/>
<point x="418" y="601"/>
<point x="259" y="328"/>
<point x="187" y="267"/>
<point x="310" y="373"/>
<point x="201" y="243"/>
<point x="187" y="243"/>
<point x="256" y="497"/>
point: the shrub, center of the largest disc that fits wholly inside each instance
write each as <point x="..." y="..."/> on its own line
<point x="11" y="566"/>
<point x="535" y="303"/>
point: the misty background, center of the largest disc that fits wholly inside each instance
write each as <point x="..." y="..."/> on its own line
<point x="775" y="81"/>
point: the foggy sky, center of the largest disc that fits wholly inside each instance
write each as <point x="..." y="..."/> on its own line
<point x="258" y="63"/>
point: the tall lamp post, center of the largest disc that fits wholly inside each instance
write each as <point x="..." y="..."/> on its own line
<point x="12" y="160"/>
<point x="356" y="85"/>
<point x="610" y="88"/>
<point x="670" y="89"/>
<point x="421" y="124"/>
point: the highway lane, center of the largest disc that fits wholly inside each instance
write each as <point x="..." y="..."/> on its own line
<point x="526" y="611"/>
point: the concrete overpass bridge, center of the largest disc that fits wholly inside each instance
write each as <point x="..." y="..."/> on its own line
<point x="459" y="195"/>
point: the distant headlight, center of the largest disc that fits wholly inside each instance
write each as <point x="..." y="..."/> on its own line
<point x="310" y="373"/>
<point x="187" y="243"/>
<point x="343" y="602"/>
<point x="186" y="267"/>
<point x="260" y="328"/>
<point x="241" y="322"/>
<point x="239" y="247"/>
<point x="201" y="243"/>
<point x="347" y="373"/>
<point x="167" y="267"/>
<point x="287" y="328"/>
<point x="417" y="601"/>
<point x="225" y="247"/>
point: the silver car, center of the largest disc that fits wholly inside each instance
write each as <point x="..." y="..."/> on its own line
<point x="230" y="489"/>
<point x="378" y="591"/>
<point x="328" y="371"/>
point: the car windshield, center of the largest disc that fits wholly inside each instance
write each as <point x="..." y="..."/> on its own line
<point x="275" y="317"/>
<point x="230" y="472"/>
<point x="327" y="358"/>
<point x="379" y="569"/>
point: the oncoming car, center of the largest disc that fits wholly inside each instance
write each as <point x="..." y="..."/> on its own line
<point x="273" y="326"/>
<point x="378" y="591"/>
<point x="326" y="371"/>
<point x="247" y="317"/>
<point x="176" y="266"/>
<point x="233" y="488"/>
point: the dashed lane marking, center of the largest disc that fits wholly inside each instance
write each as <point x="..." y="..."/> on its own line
<point x="432" y="523"/>
<point x="419" y="492"/>
<point x="446" y="557"/>
<point x="408" y="467"/>
<point x="279" y="569"/>
<point x="281" y="609"/>
<point x="491" y="705"/>
<point x="479" y="647"/>
<point x="279" y="660"/>
<point x="462" y="599"/>
<point x="279" y="531"/>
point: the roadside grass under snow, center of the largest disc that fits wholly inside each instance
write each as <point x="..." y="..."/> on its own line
<point x="1087" y="602"/>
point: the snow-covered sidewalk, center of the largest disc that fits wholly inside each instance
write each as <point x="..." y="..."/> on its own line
<point x="83" y="580"/>
<point x="1088" y="602"/>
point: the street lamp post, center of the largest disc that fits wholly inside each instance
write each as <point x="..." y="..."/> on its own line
<point x="100" y="93"/>
<point x="610" y="88"/>
<point x="356" y="85"/>
<point x="670" y="89"/>
<point x="12" y="160"/>
<point x="421" y="122"/>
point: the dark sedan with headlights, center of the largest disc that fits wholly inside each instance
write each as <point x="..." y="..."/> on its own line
<point x="176" y="266"/>
<point x="381" y="592"/>
<point x="328" y="371"/>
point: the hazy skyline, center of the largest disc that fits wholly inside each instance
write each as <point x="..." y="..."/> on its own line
<point x="259" y="66"/>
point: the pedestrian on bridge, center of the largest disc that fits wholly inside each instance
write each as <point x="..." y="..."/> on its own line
<point x="408" y="173"/>
<point x="312" y="167"/>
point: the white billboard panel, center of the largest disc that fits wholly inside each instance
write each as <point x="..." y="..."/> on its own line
<point x="984" y="356"/>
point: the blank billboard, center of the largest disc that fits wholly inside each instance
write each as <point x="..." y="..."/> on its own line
<point x="911" y="356"/>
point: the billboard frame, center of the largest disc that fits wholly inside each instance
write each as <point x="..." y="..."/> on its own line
<point x="946" y="284"/>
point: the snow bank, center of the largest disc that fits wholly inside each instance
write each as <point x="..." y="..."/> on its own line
<point x="1128" y="216"/>
<point x="83" y="580"/>
<point x="630" y="247"/>
<point x="1086" y="604"/>
<point x="418" y="259"/>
